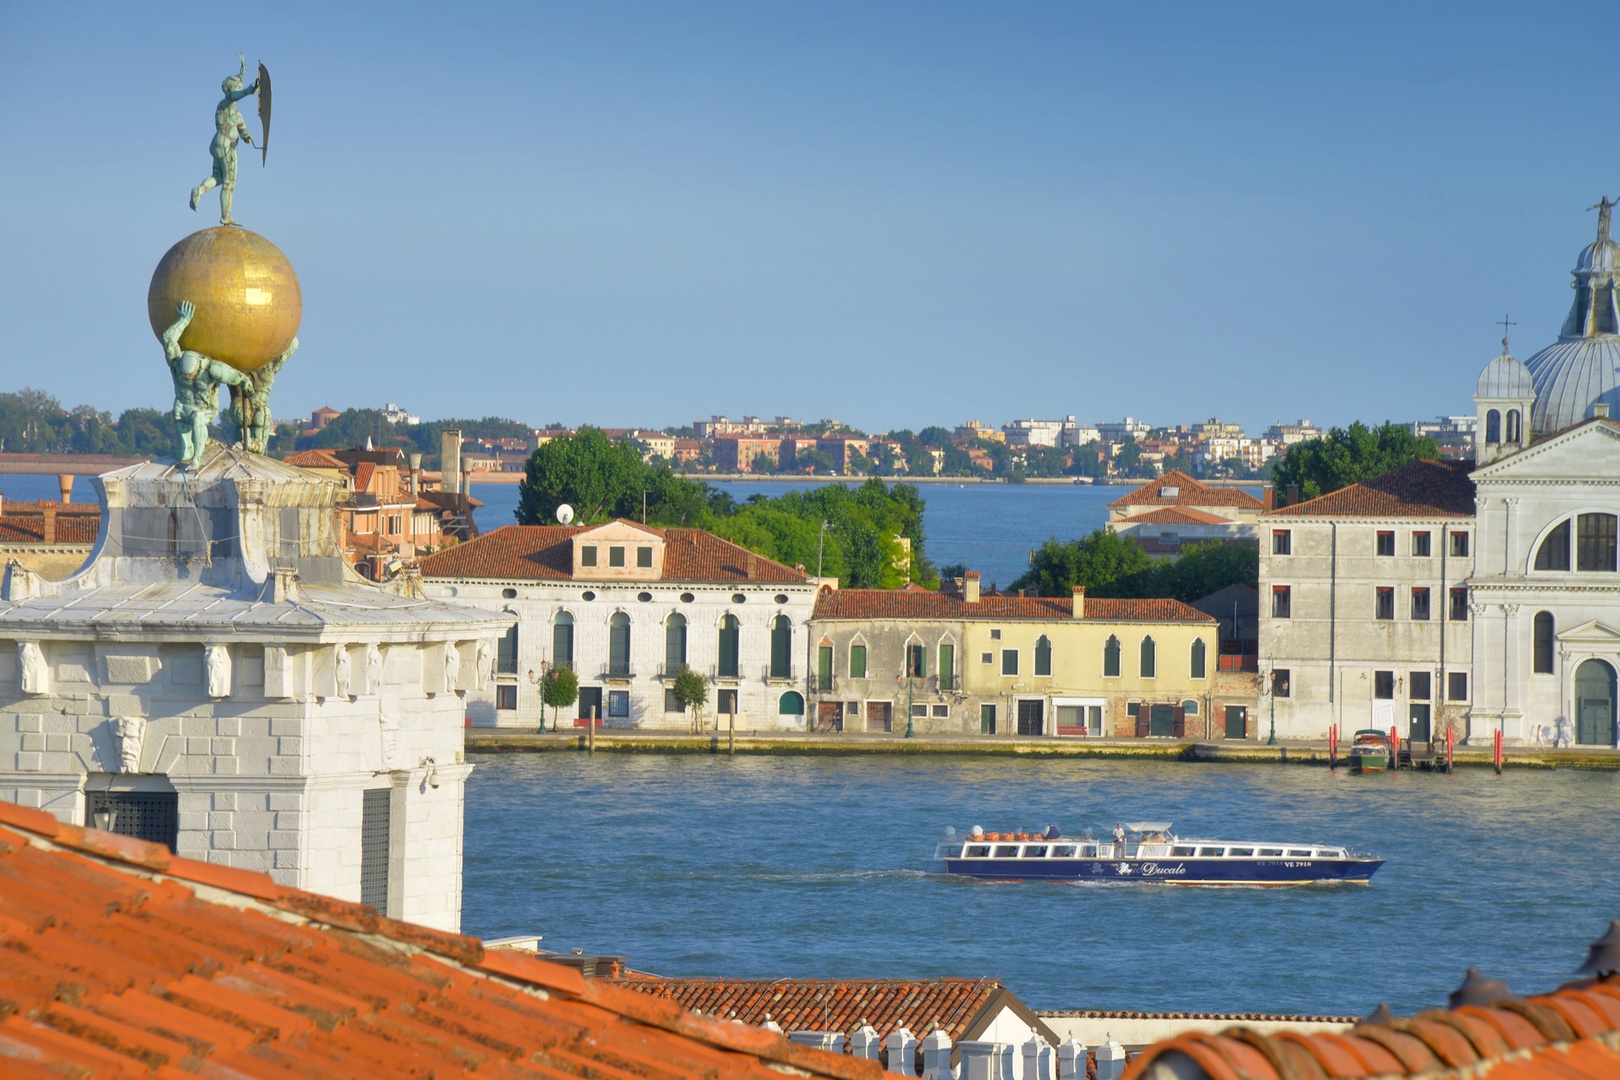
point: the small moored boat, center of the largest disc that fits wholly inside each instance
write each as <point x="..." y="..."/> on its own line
<point x="1149" y="851"/>
<point x="1371" y="751"/>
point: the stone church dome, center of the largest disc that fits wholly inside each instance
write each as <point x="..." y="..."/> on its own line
<point x="1582" y="368"/>
<point x="1504" y="377"/>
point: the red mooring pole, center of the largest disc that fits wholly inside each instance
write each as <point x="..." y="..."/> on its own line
<point x="1451" y="738"/>
<point x="1333" y="746"/>
<point x="1497" y="751"/>
<point x="1394" y="748"/>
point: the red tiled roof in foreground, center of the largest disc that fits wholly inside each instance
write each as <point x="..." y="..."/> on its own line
<point x="24" y="522"/>
<point x="1189" y="492"/>
<point x="963" y="1007"/>
<point x="1418" y="489"/>
<point x="545" y="552"/>
<point x="1571" y="1034"/>
<point x="906" y="604"/>
<point x="119" y="959"/>
<point x="1173" y="515"/>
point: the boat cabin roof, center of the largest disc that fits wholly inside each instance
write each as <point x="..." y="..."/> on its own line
<point x="1148" y="826"/>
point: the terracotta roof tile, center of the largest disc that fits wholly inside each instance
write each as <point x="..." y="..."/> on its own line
<point x="115" y="965"/>
<point x="830" y="1004"/>
<point x="24" y="522"/>
<point x="315" y="459"/>
<point x="1571" y="1033"/>
<point x="545" y="553"/>
<point x="1420" y="489"/>
<point x="1174" y="515"/>
<point x="906" y="604"/>
<point x="1189" y="492"/>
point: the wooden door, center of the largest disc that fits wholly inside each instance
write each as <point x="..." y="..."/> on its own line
<point x="879" y="716"/>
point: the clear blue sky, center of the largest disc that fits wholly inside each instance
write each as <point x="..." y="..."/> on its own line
<point x="895" y="214"/>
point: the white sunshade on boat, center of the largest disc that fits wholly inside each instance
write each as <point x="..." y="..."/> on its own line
<point x="1148" y="826"/>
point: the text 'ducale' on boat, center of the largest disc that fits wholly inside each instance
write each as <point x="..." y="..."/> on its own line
<point x="1147" y="851"/>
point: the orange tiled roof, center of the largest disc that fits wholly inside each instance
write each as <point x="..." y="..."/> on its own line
<point x="24" y="523"/>
<point x="315" y="459"/>
<point x="1420" y="489"/>
<point x="1190" y="492"/>
<point x="1571" y="1034"/>
<point x="1174" y="515"/>
<point x="115" y="964"/>
<point x="906" y="604"/>
<point x="545" y="552"/>
<point x="957" y="1005"/>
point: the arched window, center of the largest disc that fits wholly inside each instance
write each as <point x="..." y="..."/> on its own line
<point x="1542" y="652"/>
<point x="562" y="639"/>
<point x="1513" y="425"/>
<point x="1043" y="655"/>
<point x="728" y="647"/>
<point x="1553" y="554"/>
<point x="1493" y="427"/>
<point x="791" y="704"/>
<point x="674" y="643"/>
<point x="781" y="647"/>
<point x="619" y="645"/>
<point x="1198" y="658"/>
<point x="1147" y="658"/>
<point x="1111" y="658"/>
<point x="1595" y="542"/>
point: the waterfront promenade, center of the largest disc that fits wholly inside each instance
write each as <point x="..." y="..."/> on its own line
<point x="1289" y="752"/>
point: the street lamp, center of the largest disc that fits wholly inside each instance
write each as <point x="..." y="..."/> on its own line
<point x="911" y="696"/>
<point x="1268" y="689"/>
<point x="538" y="681"/>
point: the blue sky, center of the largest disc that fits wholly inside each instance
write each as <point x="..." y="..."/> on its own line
<point x="895" y="214"/>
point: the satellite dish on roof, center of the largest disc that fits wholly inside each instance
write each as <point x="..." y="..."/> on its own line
<point x="565" y="514"/>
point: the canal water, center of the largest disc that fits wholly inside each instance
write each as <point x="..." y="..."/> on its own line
<point x="811" y="867"/>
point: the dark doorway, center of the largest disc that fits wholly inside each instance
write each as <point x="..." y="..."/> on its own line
<point x="1237" y="722"/>
<point x="1417" y="728"/>
<point x="830" y="716"/>
<point x="1594" y="704"/>
<point x="1162" y="720"/>
<point x="590" y="703"/>
<point x="1032" y="717"/>
<point x="153" y="816"/>
<point x="987" y="719"/>
<point x="879" y="716"/>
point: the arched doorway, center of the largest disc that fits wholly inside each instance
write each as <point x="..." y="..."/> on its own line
<point x="1594" y="704"/>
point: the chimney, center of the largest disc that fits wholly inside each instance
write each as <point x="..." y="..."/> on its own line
<point x="970" y="587"/>
<point x="1293" y="495"/>
<point x="1079" y="601"/>
<point x="49" y="535"/>
<point x="64" y="481"/>
<point x="1269" y="501"/>
<point x="415" y="462"/>
<point x="450" y="460"/>
<point x="1600" y="411"/>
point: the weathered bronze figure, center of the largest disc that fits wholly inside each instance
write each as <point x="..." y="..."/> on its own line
<point x="228" y="128"/>
<point x="197" y="380"/>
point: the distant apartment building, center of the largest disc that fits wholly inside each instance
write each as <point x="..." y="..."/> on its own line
<point x="1216" y="428"/>
<point x="1252" y="453"/>
<point x="741" y="453"/>
<point x="392" y="413"/>
<point x="1118" y="432"/>
<point x="975" y="429"/>
<point x="841" y="448"/>
<point x="1289" y="434"/>
<point x="1033" y="432"/>
<point x="793" y="446"/>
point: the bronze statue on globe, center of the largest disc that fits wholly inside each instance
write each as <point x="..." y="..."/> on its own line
<point x="237" y="298"/>
<point x="228" y="128"/>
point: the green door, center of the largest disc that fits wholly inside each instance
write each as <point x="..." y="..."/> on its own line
<point x="1237" y="722"/>
<point x="1417" y="728"/>
<point x="1594" y="704"/>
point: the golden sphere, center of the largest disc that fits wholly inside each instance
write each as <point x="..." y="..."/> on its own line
<point x="245" y="292"/>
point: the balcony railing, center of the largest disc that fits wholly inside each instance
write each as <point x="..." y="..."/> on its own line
<point x="617" y="670"/>
<point x="1241" y="662"/>
<point x="506" y="665"/>
<point x="771" y="673"/>
<point x="669" y="671"/>
<point x="725" y="671"/>
<point x="819" y="685"/>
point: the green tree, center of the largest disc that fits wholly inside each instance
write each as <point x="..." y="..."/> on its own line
<point x="603" y="479"/>
<point x="352" y="428"/>
<point x="691" y="689"/>
<point x="1200" y="570"/>
<point x="1346" y="456"/>
<point x="1095" y="561"/>
<point x="558" y="689"/>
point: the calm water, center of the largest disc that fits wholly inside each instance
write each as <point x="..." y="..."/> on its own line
<point x="989" y="527"/>
<point x="807" y="867"/>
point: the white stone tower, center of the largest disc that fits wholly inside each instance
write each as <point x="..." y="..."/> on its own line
<point x="1503" y="399"/>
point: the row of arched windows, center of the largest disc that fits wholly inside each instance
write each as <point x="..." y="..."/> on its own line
<point x="1147" y="659"/>
<point x="1493" y="426"/>
<point x="728" y="651"/>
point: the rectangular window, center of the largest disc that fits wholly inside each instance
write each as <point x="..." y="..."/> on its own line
<point x="987" y="658"/>
<point x="616" y="555"/>
<point x="824" y="672"/>
<point x="374" y="834"/>
<point x="1384" y="607"/>
<point x="1459" y="604"/>
<point x="857" y="661"/>
<point x="995" y="635"/>
<point x="919" y="709"/>
<point x="671" y="702"/>
<point x="1420" y="604"/>
<point x="1009" y="661"/>
<point x="1282" y="602"/>
<point x="941" y="712"/>
<point x="916" y="661"/>
<point x="1282" y="541"/>
<point x="153" y="816"/>
<point x="1418" y="684"/>
<point x="1383" y="685"/>
<point x="506" y="653"/>
<point x="644" y="557"/>
<point x="1457" y="686"/>
<point x="618" y="703"/>
<point x="1459" y="545"/>
<point x="1279" y="682"/>
<point x="1595" y="542"/>
<point x="947" y="667"/>
<point x="587" y="555"/>
<point x="725" y="703"/>
<point x="987" y="719"/>
<point x="506" y="696"/>
<point x="1386" y="542"/>
<point x="1420" y="544"/>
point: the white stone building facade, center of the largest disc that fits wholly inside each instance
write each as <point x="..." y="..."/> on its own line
<point x="625" y="606"/>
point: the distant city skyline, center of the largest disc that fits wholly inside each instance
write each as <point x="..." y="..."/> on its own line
<point x="896" y="216"/>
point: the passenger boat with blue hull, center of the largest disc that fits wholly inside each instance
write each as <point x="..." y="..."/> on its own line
<point x="1149" y="851"/>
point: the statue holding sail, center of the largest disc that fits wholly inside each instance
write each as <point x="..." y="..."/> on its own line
<point x="229" y="128"/>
